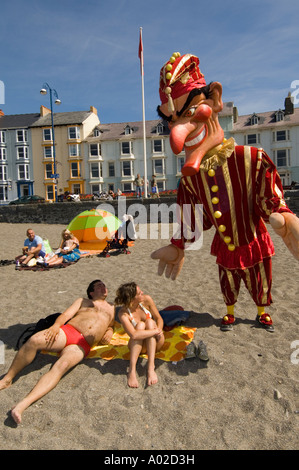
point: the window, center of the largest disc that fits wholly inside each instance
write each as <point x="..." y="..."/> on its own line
<point x="50" y="191"/>
<point x="180" y="164"/>
<point x="280" y="136"/>
<point x="48" y="152"/>
<point x="2" y="153"/>
<point x="74" y="133"/>
<point x="95" y="150"/>
<point x="23" y="172"/>
<point x="128" y="130"/>
<point x="161" y="185"/>
<point x="279" y="116"/>
<point x="49" y="170"/>
<point x="96" y="188"/>
<point x="3" y="172"/>
<point x="2" y="137"/>
<point x="3" y="193"/>
<point x="22" y="135"/>
<point x="75" y="170"/>
<point x="127" y="187"/>
<point x="127" y="168"/>
<point x="158" y="166"/>
<point x="158" y="146"/>
<point x="76" y="188"/>
<point x="22" y="152"/>
<point x="96" y="170"/>
<point x="126" y="148"/>
<point x="282" y="157"/>
<point x="47" y="134"/>
<point x="74" y="150"/>
<point x="111" y="169"/>
<point x="160" y="128"/>
<point x="254" y="119"/>
<point x="252" y="139"/>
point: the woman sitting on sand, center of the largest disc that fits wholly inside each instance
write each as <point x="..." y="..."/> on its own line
<point x="68" y="250"/>
<point x="143" y="323"/>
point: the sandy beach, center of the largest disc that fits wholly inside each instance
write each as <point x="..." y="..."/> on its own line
<point x="245" y="398"/>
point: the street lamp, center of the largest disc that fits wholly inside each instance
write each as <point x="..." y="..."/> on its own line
<point x="43" y="91"/>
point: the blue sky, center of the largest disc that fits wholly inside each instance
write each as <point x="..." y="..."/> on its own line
<point x="88" y="51"/>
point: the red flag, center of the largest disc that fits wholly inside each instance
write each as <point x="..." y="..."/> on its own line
<point x="140" y="52"/>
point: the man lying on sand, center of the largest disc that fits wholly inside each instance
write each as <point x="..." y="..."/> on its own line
<point x="89" y="321"/>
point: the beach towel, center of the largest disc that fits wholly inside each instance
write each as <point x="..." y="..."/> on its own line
<point x="173" y="350"/>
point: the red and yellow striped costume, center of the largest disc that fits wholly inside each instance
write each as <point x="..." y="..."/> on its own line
<point x="239" y="188"/>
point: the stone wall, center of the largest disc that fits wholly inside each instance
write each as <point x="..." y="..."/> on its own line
<point x="64" y="212"/>
<point x="162" y="209"/>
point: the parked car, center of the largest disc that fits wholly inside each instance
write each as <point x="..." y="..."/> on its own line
<point x="28" y="200"/>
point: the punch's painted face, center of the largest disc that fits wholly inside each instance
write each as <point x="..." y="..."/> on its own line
<point x="194" y="125"/>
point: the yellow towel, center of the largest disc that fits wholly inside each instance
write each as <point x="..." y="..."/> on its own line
<point x="174" y="348"/>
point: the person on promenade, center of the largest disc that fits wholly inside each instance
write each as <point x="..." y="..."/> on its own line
<point x="138" y="183"/>
<point x="33" y="248"/>
<point x="143" y="323"/>
<point x="82" y="325"/>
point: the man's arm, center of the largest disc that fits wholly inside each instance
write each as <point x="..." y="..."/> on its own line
<point x="52" y="332"/>
<point x="107" y="336"/>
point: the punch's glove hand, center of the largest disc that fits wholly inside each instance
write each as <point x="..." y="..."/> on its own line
<point x="286" y="225"/>
<point x="171" y="259"/>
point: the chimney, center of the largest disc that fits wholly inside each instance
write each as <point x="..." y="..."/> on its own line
<point x="288" y="105"/>
<point x="93" y="110"/>
<point x="235" y="114"/>
<point x="1" y="112"/>
<point x="44" y="111"/>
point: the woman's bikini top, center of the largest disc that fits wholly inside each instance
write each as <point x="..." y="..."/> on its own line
<point x="146" y="311"/>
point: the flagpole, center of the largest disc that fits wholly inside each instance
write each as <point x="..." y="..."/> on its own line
<point x="143" y="112"/>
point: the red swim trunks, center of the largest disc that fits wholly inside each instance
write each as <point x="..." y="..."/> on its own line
<point x="74" y="336"/>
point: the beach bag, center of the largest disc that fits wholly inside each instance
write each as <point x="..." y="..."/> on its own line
<point x="42" y="324"/>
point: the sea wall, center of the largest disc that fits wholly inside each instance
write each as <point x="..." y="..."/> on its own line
<point x="147" y="210"/>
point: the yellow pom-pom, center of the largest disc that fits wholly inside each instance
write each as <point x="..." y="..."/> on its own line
<point x="225" y="318"/>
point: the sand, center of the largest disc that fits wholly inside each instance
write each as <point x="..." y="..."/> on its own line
<point x="244" y="398"/>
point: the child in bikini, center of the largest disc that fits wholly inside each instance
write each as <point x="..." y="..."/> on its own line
<point x="143" y="323"/>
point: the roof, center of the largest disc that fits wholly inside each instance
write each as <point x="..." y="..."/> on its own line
<point x="266" y="120"/>
<point x="62" y="119"/>
<point x="116" y="131"/>
<point x="16" y="121"/>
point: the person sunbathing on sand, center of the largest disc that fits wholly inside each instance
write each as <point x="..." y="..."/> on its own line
<point x="82" y="325"/>
<point x="143" y="323"/>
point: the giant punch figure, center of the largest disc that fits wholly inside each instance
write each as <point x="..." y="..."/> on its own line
<point x="238" y="187"/>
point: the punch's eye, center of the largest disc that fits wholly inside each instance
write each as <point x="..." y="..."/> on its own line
<point x="191" y="111"/>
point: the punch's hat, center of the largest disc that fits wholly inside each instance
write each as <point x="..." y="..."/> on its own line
<point x="178" y="76"/>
